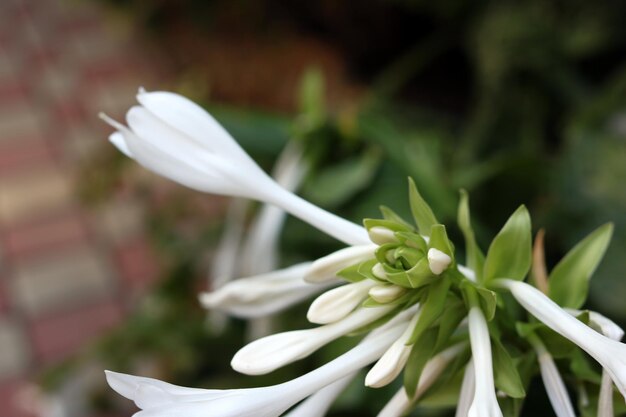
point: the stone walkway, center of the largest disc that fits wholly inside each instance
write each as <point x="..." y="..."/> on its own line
<point x="64" y="271"/>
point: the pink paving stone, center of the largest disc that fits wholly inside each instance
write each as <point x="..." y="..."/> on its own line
<point x="10" y="397"/>
<point x="22" y="153"/>
<point x="52" y="232"/>
<point x="57" y="336"/>
<point x="137" y="263"/>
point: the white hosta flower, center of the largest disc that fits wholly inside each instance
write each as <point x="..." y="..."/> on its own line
<point x="337" y="303"/>
<point x="555" y="387"/>
<point x="326" y="268"/>
<point x="438" y="261"/>
<point x="271" y="352"/>
<point x="318" y="404"/>
<point x="485" y="403"/>
<point x="400" y="403"/>
<point x="263" y="294"/>
<point x="386" y="293"/>
<point x="178" y="139"/>
<point x="468" y="386"/>
<point x="609" y="353"/>
<point x="393" y="360"/>
<point x="160" y="399"/>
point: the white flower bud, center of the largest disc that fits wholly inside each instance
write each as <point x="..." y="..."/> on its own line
<point x="337" y="303"/>
<point x="438" y="261"/>
<point x="386" y="293"/>
<point x="381" y="235"/>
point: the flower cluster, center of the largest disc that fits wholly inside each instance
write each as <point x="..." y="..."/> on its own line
<point x="444" y="326"/>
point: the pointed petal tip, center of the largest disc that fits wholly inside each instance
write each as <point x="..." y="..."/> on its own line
<point x="123" y="384"/>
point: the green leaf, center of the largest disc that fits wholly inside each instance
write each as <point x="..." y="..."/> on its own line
<point x="422" y="213"/>
<point x="389" y="214"/>
<point x="351" y="273"/>
<point x="475" y="257"/>
<point x="439" y="240"/>
<point x="506" y="376"/>
<point x="412" y="240"/>
<point x="569" y="280"/>
<point x="509" y="255"/>
<point x="488" y="302"/>
<point x="431" y="309"/>
<point x="450" y="320"/>
<point x="421" y="352"/>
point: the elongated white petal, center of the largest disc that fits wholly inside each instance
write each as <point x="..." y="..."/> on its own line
<point x="327" y="267"/>
<point x="399" y="403"/>
<point x="605" y="400"/>
<point x="318" y="404"/>
<point x="468" y="387"/>
<point x="389" y="366"/>
<point x="177" y="139"/>
<point x="117" y="139"/>
<point x="386" y="293"/>
<point x="438" y="261"/>
<point x="271" y="352"/>
<point x="485" y="403"/>
<point x="160" y="399"/>
<point x="337" y="303"/>
<point x="555" y="387"/>
<point x="259" y="252"/>
<point x="609" y="353"/>
<point x="263" y="294"/>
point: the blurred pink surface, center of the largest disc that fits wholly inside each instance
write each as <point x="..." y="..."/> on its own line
<point x="66" y="274"/>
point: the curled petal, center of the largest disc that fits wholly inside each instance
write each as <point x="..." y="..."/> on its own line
<point x="326" y="268"/>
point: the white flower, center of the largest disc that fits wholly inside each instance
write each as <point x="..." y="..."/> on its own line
<point x="438" y="261"/>
<point x="468" y="387"/>
<point x="326" y="268"/>
<point x="393" y="360"/>
<point x="263" y="294"/>
<point x="555" y="387"/>
<point x="381" y="235"/>
<point x="176" y="138"/>
<point x="485" y="403"/>
<point x="160" y="399"/>
<point x="337" y="303"/>
<point x="269" y="353"/>
<point x="609" y="353"/>
<point x="319" y="403"/>
<point x="400" y="403"/>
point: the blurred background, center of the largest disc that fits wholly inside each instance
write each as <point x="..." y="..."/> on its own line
<point x="101" y="262"/>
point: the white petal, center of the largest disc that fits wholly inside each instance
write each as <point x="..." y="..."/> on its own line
<point x="117" y="139"/>
<point x="438" y="261"/>
<point x="609" y="353"/>
<point x="326" y="268"/>
<point x="468" y="387"/>
<point x="271" y="352"/>
<point x="485" y="403"/>
<point x="555" y="387"/>
<point x="337" y="303"/>
<point x="468" y="273"/>
<point x="186" y="116"/>
<point x="381" y="235"/>
<point x="160" y="399"/>
<point x="605" y="401"/>
<point x="393" y="360"/>
<point x="386" y="293"/>
<point x="263" y="294"/>
<point x="317" y="405"/>
<point x="399" y="404"/>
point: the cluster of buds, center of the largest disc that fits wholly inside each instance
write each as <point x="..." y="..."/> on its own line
<point x="444" y="326"/>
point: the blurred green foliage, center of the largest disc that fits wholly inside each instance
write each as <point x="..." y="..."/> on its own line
<point x="517" y="102"/>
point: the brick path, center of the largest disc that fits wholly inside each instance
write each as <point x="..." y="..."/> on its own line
<point x="63" y="270"/>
